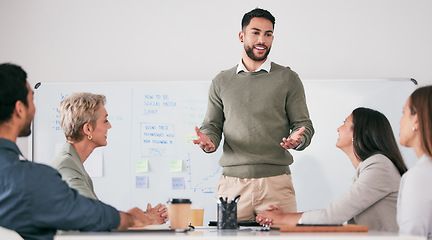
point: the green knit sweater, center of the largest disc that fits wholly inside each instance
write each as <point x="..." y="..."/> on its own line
<point x="255" y="110"/>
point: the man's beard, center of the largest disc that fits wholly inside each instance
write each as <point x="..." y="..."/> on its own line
<point x="25" y="131"/>
<point x="251" y="55"/>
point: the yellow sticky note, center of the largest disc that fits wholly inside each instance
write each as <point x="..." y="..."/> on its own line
<point x="142" y="166"/>
<point x="176" y="166"/>
<point x="189" y="137"/>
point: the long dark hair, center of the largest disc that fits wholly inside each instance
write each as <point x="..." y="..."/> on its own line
<point x="421" y="103"/>
<point x="373" y="134"/>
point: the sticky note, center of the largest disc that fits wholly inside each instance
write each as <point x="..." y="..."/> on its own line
<point x="189" y="137"/>
<point x="178" y="183"/>
<point x="142" y="182"/>
<point x="176" y="166"/>
<point x="142" y="166"/>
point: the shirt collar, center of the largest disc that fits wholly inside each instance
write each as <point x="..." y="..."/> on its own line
<point x="266" y="66"/>
<point x="425" y="157"/>
<point x="6" y="143"/>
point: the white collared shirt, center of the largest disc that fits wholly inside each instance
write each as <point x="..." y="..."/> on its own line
<point x="266" y="66"/>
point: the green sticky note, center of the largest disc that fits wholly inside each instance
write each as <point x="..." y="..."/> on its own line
<point x="176" y="166"/>
<point x="142" y="166"/>
<point x="189" y="137"/>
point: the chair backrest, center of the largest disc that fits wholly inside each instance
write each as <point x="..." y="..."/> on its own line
<point x="9" y="234"/>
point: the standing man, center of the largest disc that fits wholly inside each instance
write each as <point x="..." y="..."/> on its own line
<point x="260" y="107"/>
<point x="34" y="201"/>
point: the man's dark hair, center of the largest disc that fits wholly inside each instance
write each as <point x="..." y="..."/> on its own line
<point x="259" y="13"/>
<point x="13" y="88"/>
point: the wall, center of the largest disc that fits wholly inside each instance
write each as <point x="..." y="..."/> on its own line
<point x="137" y="40"/>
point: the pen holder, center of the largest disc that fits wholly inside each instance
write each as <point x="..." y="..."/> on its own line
<point x="227" y="215"/>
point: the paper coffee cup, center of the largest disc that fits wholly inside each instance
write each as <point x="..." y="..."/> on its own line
<point x="196" y="215"/>
<point x="179" y="212"/>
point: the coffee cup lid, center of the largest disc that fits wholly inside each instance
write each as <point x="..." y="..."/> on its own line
<point x="179" y="200"/>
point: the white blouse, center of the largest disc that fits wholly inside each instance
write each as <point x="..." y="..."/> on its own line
<point x="414" y="214"/>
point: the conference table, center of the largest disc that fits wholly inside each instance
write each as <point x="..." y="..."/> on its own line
<point x="247" y="233"/>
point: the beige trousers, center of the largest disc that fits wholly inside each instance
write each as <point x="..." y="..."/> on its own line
<point x="257" y="194"/>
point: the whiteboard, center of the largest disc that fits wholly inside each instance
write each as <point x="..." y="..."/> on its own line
<point x="150" y="158"/>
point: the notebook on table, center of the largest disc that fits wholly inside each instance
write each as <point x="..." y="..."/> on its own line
<point x="321" y="228"/>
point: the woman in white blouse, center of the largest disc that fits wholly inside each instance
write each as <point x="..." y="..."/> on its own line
<point x="367" y="139"/>
<point x="414" y="214"/>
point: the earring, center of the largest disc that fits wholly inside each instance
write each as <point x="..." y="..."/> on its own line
<point x="414" y="129"/>
<point x="89" y="137"/>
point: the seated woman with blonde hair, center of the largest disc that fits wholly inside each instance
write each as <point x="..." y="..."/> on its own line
<point x="367" y="138"/>
<point x="84" y="121"/>
<point x="414" y="214"/>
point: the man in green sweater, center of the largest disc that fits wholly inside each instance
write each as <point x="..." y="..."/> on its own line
<point x="261" y="109"/>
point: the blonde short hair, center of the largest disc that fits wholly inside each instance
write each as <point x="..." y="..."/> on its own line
<point x="78" y="109"/>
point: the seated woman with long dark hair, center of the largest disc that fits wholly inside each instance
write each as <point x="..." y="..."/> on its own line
<point x="367" y="139"/>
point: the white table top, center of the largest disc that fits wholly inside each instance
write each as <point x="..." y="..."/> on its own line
<point x="210" y="233"/>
